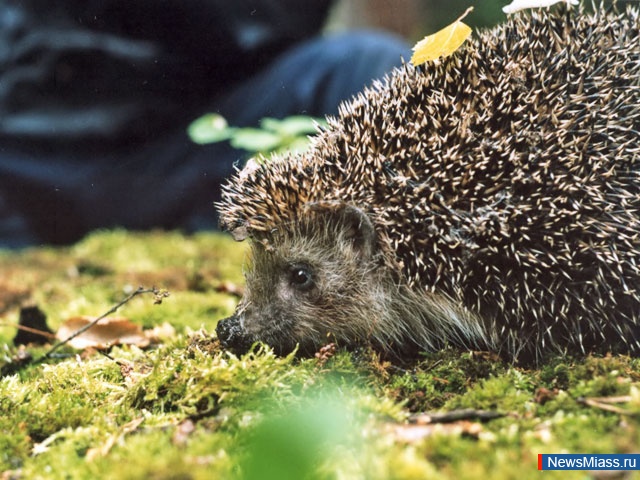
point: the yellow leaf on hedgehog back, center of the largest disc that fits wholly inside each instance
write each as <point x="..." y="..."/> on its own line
<point x="442" y="43"/>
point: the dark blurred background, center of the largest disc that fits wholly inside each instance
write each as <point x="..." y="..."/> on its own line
<point x="413" y="19"/>
<point x="96" y="97"/>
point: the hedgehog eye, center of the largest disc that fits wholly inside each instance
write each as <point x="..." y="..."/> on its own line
<point x="300" y="276"/>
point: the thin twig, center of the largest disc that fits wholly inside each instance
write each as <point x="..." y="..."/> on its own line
<point x="454" y="416"/>
<point x="12" y="367"/>
<point x="605" y="405"/>
<point x="35" y="331"/>
<point x="113" y="309"/>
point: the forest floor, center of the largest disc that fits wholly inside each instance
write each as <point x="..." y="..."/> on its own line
<point x="175" y="405"/>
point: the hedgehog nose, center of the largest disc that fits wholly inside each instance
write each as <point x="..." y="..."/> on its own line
<point x="232" y="335"/>
<point x="226" y="330"/>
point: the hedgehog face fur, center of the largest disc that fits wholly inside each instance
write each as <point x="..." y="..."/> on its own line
<point x="307" y="285"/>
<point x="299" y="283"/>
<point x="490" y="201"/>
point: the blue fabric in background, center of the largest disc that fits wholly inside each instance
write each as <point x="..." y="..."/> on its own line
<point x="95" y="98"/>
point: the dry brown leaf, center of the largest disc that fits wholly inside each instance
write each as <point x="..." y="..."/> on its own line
<point x="107" y="332"/>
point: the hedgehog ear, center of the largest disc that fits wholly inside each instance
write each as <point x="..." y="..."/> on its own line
<point x="359" y="228"/>
<point x="354" y="224"/>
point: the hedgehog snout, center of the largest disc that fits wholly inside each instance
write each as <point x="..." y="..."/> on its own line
<point x="232" y="335"/>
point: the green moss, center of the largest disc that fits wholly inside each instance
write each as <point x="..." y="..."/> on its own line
<point x="187" y="409"/>
<point x="440" y="377"/>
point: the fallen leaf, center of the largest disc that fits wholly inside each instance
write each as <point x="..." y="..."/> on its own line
<point x="107" y="332"/>
<point x="442" y="43"/>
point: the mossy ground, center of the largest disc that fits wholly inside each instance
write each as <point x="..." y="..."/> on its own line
<point x="186" y="409"/>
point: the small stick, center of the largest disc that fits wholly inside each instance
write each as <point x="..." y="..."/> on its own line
<point x="158" y="293"/>
<point x="454" y="416"/>
<point x="602" y="404"/>
<point x="13" y="367"/>
<point x="35" y="331"/>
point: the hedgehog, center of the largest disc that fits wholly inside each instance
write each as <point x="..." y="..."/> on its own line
<point x="487" y="201"/>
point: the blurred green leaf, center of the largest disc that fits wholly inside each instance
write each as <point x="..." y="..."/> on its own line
<point x="256" y="140"/>
<point x="280" y="136"/>
<point x="294" y="126"/>
<point x="294" y="145"/>
<point x="210" y="128"/>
